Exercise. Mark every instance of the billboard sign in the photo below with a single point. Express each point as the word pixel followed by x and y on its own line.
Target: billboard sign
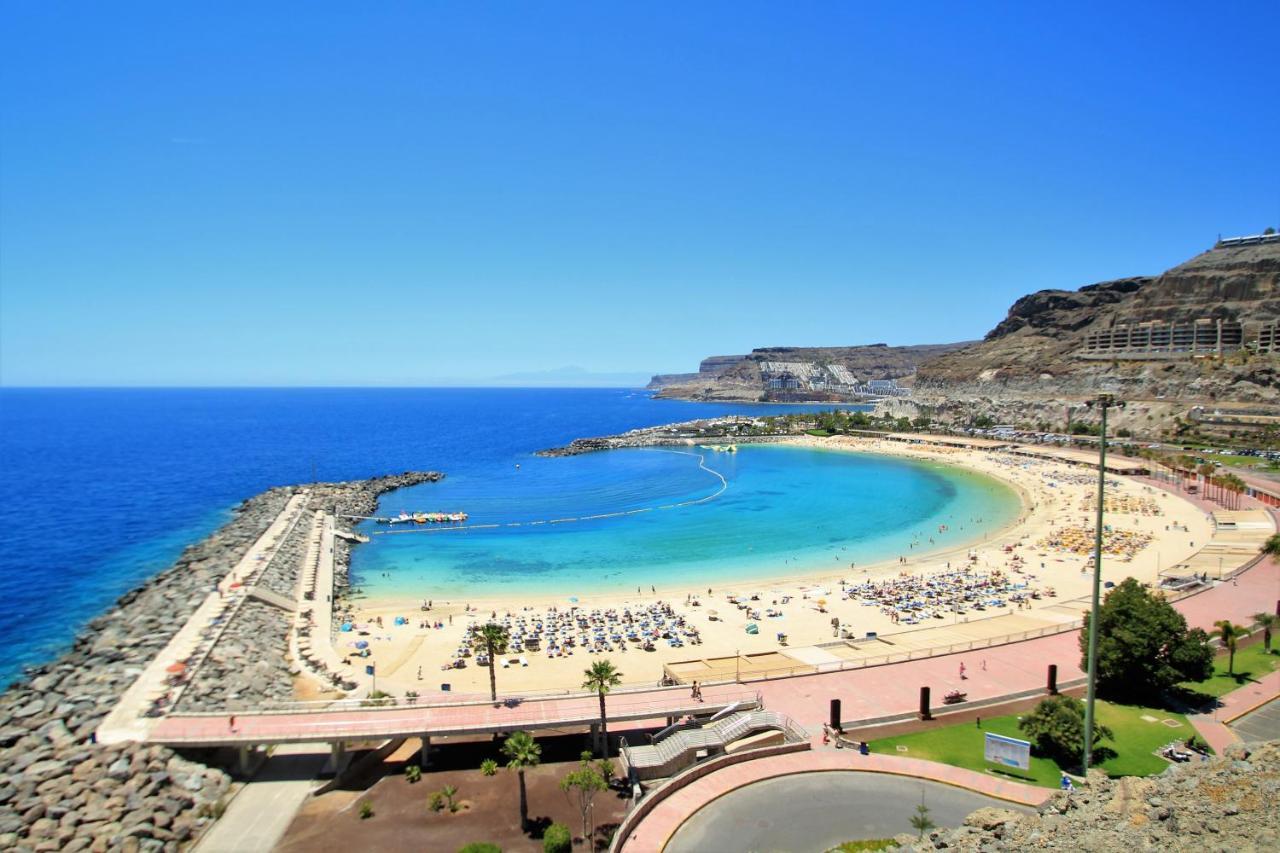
pixel 1008 751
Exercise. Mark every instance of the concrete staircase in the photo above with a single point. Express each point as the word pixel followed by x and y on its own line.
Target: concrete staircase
pixel 680 748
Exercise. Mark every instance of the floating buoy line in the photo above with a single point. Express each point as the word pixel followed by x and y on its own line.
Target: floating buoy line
pixel 702 463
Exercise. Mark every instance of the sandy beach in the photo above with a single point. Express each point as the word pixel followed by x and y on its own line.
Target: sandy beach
pixel 1044 554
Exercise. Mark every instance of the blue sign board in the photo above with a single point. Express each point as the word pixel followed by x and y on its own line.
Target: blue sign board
pixel 1008 751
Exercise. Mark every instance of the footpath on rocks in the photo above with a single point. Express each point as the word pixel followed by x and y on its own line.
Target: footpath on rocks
pixel 60 790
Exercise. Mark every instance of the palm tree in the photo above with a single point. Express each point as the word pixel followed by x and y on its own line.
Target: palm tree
pixel 1238 486
pixel 522 751
pixel 1206 475
pixel 600 677
pixel 492 639
pixel 1269 622
pixel 1230 634
pixel 1272 545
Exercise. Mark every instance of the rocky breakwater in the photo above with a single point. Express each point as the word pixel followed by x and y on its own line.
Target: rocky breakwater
pixel 59 790
pixel 709 431
pixel 249 666
pixel 360 497
pixel 1230 803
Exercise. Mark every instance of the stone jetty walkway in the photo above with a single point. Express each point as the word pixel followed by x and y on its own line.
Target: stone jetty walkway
pixel 126 720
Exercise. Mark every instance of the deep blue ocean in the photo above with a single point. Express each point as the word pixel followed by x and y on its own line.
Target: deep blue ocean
pixel 101 488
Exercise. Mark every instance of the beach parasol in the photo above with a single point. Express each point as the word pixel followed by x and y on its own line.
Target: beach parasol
pixel 175 667
pixel 362 644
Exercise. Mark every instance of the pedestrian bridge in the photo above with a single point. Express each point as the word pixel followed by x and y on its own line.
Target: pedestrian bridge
pixel 344 722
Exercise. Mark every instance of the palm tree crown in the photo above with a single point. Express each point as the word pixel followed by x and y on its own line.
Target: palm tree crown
pixel 601 676
pixel 492 639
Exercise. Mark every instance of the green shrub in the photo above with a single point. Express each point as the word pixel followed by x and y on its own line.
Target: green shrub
pixel 480 847
pixel 488 767
pixel 436 801
pixel 1056 731
pixel 412 773
pixel 557 839
pixel 366 809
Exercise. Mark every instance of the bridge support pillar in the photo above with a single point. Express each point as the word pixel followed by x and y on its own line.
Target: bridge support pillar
pixel 424 756
pixel 337 754
pixel 243 756
pixel 595 738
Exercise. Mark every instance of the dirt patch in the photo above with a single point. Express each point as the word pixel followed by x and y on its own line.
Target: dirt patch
pixel 402 820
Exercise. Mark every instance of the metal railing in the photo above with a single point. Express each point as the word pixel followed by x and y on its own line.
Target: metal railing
pixel 624 701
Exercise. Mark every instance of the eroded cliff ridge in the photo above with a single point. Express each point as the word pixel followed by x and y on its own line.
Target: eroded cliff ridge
pixel 1202 331
pixel 799 373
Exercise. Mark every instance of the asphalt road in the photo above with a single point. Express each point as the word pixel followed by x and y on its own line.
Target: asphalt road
pixel 1262 724
pixel 813 812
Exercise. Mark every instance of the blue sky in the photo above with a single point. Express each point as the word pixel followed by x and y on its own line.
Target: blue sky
pixel 412 193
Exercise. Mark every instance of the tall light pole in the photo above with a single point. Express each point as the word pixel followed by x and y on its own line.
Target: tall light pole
pixel 1103 402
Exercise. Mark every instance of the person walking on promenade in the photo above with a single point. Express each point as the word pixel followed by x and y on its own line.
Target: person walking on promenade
pixel 231 723
pixel 962 675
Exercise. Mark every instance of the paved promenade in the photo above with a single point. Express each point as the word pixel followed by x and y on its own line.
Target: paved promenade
pixel 997 671
pixel 1213 727
pixel 653 833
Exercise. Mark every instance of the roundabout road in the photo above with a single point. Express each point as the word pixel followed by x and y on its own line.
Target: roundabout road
pixel 813 812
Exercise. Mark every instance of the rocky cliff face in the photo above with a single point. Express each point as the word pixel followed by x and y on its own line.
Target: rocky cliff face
pixel 739 377
pixel 1034 354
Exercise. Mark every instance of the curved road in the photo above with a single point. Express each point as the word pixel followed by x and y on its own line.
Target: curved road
pixel 817 811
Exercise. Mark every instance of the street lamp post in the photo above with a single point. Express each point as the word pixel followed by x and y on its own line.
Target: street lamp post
pixel 1103 402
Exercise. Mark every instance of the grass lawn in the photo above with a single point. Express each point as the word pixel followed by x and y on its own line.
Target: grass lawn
pixel 1252 662
pixel 1241 461
pixel 1135 741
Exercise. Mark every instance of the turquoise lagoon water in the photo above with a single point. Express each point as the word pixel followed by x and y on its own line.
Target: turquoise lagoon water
pixel 779 510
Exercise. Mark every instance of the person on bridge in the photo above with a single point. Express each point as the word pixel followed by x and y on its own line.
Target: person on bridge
pixel 231 722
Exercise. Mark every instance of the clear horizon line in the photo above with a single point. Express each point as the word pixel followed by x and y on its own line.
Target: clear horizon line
pixel 161 387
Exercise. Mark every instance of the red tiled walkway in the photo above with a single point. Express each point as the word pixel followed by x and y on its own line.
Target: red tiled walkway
pixel 1237 703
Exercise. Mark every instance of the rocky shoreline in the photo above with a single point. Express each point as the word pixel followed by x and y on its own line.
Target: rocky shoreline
pixel 59 789
pixel 683 434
